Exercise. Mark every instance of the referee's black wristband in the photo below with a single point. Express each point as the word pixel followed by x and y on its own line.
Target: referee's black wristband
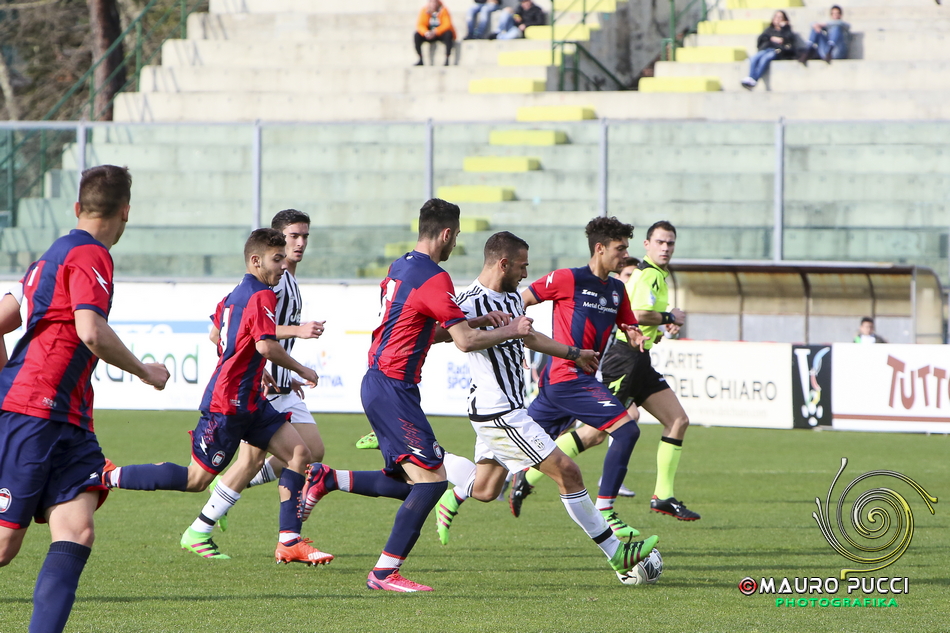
pixel 668 318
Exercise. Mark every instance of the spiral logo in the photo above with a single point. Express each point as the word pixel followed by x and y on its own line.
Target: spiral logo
pixel 877 515
pixel 747 586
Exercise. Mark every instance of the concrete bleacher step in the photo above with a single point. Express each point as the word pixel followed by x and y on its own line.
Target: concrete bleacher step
pixel 732 27
pixel 527 137
pixel 400 79
pixel 763 4
pixel 503 164
pixel 569 32
pixel 475 193
pixel 877 46
pixel 302 54
pixel 456 7
pixel 852 75
pixel 710 54
pixel 544 106
pixel 679 84
pixel 602 6
pixel 538 57
pixel 506 85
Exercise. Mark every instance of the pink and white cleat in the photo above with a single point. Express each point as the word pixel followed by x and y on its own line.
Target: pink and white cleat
pixel 394 582
pixel 314 489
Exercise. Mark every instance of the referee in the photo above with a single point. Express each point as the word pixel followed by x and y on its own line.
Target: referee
pixel 630 375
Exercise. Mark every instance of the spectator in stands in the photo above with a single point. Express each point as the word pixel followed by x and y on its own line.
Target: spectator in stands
pixel 479 18
pixel 866 333
pixel 434 25
pixel 828 40
pixel 775 42
pixel 513 23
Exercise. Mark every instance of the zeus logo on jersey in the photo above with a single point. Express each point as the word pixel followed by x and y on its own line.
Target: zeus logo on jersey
pixel 100 279
pixel 605 403
pixel 270 315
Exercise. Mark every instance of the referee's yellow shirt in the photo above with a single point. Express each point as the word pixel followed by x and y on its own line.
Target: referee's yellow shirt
pixel 647 290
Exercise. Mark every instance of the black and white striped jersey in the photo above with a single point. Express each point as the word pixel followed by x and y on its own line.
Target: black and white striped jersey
pixel 289 306
pixel 498 380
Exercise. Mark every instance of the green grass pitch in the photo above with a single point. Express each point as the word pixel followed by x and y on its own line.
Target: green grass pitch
pixel 754 488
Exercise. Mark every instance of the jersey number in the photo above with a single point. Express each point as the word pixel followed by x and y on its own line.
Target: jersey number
pixel 223 333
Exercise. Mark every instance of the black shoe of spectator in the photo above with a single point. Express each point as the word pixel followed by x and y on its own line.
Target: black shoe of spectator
pixel 418 63
pixel 831 49
pixel 493 36
pixel 446 61
pixel 805 56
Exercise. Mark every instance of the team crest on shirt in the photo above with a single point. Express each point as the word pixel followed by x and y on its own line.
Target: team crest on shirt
pixel 5 498
pixel 437 450
pixel 616 298
pixel 218 458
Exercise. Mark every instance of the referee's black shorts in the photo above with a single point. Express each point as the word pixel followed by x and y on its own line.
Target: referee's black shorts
pixel 629 374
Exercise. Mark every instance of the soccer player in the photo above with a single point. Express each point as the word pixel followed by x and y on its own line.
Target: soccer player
pixel 588 302
pixel 234 409
pixel 417 295
pixel 250 468
pixel 628 372
pixel 507 437
pixel 50 460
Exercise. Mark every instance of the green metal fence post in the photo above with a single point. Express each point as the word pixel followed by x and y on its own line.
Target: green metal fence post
pixel 11 175
pixel 184 19
pixel 138 53
pixel 43 149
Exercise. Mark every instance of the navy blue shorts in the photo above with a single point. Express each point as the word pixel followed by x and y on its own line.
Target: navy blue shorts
pixel 394 409
pixel 585 399
pixel 42 464
pixel 216 439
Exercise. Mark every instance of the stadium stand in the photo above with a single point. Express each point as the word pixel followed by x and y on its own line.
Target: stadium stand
pixel 344 138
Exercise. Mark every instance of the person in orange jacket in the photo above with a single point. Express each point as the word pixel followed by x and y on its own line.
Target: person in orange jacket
pixel 434 25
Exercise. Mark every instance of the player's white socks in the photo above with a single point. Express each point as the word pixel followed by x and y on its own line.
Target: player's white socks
pixel 461 472
pixel 222 499
pixel 605 504
pixel 582 510
pixel 265 475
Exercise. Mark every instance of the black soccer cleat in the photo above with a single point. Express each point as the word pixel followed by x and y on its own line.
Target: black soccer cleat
pixel 520 488
pixel 673 508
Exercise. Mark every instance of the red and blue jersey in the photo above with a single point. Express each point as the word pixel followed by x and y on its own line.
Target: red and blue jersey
pixel 49 374
pixel 244 317
pixel 586 308
pixel 416 296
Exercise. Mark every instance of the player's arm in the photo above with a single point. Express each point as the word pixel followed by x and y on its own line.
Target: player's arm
pixel 651 317
pixel 528 297
pixel 9 321
pixel 94 331
pixel 311 329
pixel 215 335
pixel 495 318
pixel 469 339
pixel 271 350
pixel 587 360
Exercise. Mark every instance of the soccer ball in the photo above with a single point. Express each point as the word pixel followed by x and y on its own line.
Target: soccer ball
pixel 645 572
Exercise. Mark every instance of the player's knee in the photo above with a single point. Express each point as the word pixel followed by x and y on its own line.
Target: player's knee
pixel 317 451
pixel 571 475
pixel 627 431
pixel 8 552
pixel 301 457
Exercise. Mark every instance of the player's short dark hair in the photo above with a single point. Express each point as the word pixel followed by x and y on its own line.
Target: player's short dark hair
pixel 606 230
pixel 835 6
pixel 503 245
pixel 662 224
pixel 631 261
pixel 104 191
pixel 287 217
pixel 259 241
pixel 435 216
pixel 867 320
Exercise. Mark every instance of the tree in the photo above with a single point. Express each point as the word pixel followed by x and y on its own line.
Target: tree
pixel 109 76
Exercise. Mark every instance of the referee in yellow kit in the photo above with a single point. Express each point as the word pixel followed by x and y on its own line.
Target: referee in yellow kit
pixel 630 375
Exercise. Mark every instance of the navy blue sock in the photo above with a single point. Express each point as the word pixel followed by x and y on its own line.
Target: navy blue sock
pixel 617 458
pixel 164 476
pixel 410 517
pixel 56 586
pixel 289 519
pixel 375 483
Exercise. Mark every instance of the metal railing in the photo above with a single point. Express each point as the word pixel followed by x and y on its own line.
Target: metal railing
pixel 579 51
pixel 669 44
pixel 26 157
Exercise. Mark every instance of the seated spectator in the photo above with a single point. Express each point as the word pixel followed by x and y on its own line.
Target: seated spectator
pixel 434 25
pixel 775 42
pixel 866 333
pixel 828 40
pixel 479 18
pixel 513 23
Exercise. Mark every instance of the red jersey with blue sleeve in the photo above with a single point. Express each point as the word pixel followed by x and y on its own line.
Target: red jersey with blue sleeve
pixel 416 296
pixel 244 317
pixel 586 308
pixel 49 374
